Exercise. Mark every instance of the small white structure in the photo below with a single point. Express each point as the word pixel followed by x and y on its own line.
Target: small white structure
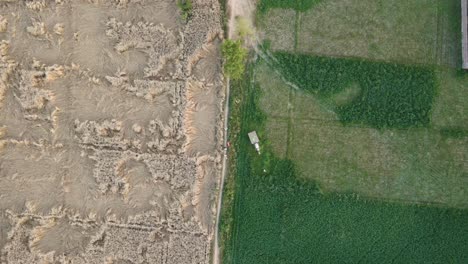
pixel 254 140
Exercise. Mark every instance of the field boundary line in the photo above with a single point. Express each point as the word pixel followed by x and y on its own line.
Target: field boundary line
pixel 297 25
pixel 289 119
pixel 437 48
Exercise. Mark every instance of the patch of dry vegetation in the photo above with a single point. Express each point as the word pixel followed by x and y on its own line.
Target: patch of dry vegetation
pixel 104 156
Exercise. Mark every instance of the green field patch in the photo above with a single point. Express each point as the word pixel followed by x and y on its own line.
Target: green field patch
pixel 278 132
pixel 390 95
pixel 383 30
pixel 415 166
pixel 362 162
pixel 450 109
pixel 281 100
pixel 276 101
pixel 298 5
pixel 279 25
pixel 454 132
pixel 281 219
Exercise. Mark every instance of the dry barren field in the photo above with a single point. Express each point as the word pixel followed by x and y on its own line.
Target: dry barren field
pixel 110 131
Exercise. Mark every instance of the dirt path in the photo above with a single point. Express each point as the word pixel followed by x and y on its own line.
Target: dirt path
pixel 240 8
pixel 236 8
pixel 216 255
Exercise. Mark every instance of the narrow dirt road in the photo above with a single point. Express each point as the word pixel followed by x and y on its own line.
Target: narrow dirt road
pixel 216 255
pixel 240 8
pixel 236 8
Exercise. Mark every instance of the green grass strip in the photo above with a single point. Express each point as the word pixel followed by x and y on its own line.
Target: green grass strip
pixel 298 5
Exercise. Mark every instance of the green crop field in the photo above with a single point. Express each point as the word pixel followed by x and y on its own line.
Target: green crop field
pixel 299 5
pixel 281 219
pixel 385 95
pixel 363 121
pixel 371 29
pixel 419 164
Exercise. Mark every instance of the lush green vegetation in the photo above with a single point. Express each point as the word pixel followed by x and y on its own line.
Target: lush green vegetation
pixel 185 7
pixel 422 164
pixel 234 58
pixel 418 165
pixel 227 213
pixel 386 95
pixel 381 195
pixel 279 219
pixel 299 5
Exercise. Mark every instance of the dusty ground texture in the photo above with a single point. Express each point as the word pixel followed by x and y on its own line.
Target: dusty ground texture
pixel 110 131
pixel 241 9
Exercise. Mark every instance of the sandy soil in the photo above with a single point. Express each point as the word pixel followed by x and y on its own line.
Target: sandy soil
pixel 110 131
pixel 240 9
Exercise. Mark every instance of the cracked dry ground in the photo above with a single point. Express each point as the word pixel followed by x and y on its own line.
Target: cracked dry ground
pixel 110 131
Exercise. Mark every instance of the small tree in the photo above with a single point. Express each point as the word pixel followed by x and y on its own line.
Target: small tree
pixel 185 7
pixel 234 58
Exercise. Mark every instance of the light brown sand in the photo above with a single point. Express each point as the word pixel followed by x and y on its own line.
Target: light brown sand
pixel 241 10
pixel 110 131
